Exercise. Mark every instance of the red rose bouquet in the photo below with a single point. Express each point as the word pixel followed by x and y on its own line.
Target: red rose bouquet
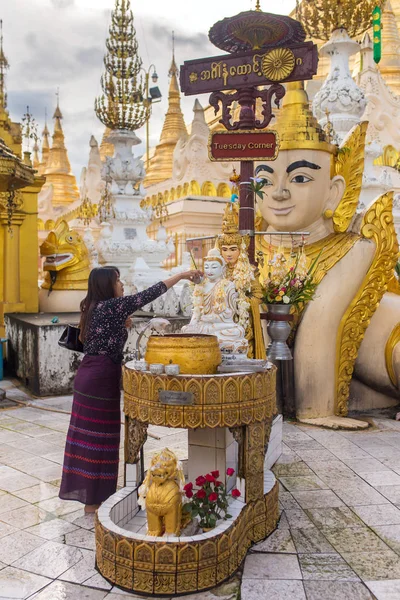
pixel 210 502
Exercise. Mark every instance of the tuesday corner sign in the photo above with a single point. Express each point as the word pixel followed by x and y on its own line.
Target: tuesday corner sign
pixel 227 146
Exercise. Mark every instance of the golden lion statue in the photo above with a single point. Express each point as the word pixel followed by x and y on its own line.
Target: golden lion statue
pixel 161 494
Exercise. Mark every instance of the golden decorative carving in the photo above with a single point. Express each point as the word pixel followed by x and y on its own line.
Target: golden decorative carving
pixel 218 401
pixel 349 164
pixel 320 17
pixel 393 340
pixel 278 64
pixel 198 354
pixel 135 437
pixel 377 226
pixel 176 568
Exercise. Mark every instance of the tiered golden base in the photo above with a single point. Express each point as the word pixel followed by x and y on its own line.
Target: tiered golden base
pixel 168 567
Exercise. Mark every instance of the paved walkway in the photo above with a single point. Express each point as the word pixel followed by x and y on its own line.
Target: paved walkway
pixel 338 536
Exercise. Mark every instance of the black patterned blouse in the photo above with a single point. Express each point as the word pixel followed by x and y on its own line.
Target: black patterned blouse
pixel 107 333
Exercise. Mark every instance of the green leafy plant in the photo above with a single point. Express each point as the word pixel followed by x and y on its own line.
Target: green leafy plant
pixel 256 185
pixel 210 502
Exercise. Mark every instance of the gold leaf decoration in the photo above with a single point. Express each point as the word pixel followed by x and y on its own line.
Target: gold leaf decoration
pixel 349 163
pixel 320 17
pixel 278 64
pixel 393 340
pixel 377 226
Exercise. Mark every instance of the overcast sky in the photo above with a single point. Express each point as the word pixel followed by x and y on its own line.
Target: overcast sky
pixel 61 43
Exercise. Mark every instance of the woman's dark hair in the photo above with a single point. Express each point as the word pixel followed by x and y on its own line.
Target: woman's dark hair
pixel 101 286
pixel 114 268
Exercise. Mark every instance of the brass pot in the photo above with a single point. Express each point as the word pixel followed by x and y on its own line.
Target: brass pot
pixel 196 354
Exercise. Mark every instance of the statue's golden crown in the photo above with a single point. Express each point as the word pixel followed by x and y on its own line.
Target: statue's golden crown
pixel 296 126
pixel 230 222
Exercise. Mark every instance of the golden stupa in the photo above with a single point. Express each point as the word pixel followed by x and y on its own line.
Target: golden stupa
pixel 57 169
pixel 106 147
pixel 389 64
pixel 173 129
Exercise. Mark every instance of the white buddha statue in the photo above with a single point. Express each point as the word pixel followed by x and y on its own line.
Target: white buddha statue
pixel 215 307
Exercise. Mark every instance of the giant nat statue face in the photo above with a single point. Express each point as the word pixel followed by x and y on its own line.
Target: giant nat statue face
pixel 299 189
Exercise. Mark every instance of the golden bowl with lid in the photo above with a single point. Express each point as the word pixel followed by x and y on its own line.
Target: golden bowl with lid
pixel 196 354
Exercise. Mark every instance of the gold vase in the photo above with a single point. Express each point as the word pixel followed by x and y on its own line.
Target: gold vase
pixel 196 354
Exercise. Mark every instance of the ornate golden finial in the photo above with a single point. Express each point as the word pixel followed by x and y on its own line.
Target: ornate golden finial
pixel 123 104
pixel 321 17
pixel 296 125
pixel 173 70
pixel 235 180
pixel 258 7
pixel 4 65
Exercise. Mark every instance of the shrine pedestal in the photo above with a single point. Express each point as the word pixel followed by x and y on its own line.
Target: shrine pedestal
pixel 230 418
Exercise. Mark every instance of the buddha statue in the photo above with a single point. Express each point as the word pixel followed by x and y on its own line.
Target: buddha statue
pixel 347 341
pixel 233 248
pixel 216 308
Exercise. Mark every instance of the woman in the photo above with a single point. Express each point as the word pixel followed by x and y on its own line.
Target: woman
pixel 90 469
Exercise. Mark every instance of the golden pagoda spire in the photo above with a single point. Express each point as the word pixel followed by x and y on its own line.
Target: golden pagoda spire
pixel 389 64
pixel 58 169
pixel 173 129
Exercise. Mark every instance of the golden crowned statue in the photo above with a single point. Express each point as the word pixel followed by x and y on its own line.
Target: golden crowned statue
pixel 347 343
pixel 233 248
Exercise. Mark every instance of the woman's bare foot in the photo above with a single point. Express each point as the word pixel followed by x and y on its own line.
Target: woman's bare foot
pixel 91 508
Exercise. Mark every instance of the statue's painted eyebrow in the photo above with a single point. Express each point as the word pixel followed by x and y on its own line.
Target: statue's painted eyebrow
pixel 301 163
pixel 264 168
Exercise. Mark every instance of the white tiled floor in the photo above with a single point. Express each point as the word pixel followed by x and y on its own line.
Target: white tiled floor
pixel 338 536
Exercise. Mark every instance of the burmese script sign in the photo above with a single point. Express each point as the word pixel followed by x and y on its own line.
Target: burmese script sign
pixel 176 398
pixel 234 71
pixel 243 145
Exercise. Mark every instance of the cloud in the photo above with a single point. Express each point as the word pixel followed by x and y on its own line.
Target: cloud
pixel 62 3
pixel 50 47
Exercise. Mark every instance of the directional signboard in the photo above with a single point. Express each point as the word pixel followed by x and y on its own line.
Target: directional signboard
pixel 243 145
pixel 235 71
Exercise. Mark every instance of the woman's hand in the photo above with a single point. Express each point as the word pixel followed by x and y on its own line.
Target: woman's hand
pixel 129 323
pixel 195 276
